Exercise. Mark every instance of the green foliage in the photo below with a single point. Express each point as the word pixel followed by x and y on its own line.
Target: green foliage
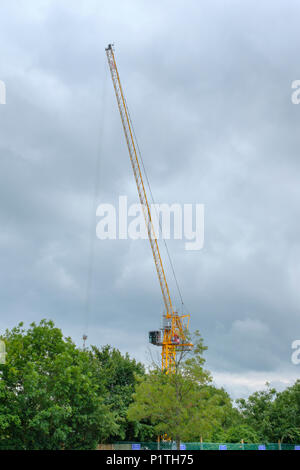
pixel 119 375
pixel 274 415
pixel 49 395
pixel 240 432
pixel 56 396
pixel 183 404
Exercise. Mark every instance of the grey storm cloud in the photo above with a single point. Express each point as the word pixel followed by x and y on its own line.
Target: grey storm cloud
pixel 208 86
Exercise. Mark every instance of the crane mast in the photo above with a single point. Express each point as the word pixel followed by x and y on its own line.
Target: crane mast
pixel 172 336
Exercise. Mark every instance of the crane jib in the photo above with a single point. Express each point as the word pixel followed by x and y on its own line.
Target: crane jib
pixel 173 330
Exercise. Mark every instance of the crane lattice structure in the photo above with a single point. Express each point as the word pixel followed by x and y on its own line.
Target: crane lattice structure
pixel 172 336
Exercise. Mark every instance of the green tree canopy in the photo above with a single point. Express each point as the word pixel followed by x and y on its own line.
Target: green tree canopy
pixel 119 375
pixel 184 405
pixel 274 415
pixel 50 397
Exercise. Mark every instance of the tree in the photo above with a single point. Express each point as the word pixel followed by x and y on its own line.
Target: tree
pixel 285 414
pixel 274 415
pixel 229 419
pixel 239 432
pixel 119 376
pixel 256 411
pixel 183 404
pixel 50 397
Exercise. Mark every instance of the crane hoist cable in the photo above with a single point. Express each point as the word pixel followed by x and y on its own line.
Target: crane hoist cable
pixel 173 335
pixel 93 205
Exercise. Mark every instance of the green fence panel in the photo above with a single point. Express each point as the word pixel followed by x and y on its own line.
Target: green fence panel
pixel 168 445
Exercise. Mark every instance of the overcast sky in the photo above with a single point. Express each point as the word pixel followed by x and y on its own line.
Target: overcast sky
pixel 208 84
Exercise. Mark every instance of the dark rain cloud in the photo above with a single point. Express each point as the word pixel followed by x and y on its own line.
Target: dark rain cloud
pixel 209 89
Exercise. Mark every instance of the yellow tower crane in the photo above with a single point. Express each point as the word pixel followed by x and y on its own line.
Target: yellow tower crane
pixel 172 336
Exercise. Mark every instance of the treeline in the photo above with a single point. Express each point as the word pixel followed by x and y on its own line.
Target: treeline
pixel 54 395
